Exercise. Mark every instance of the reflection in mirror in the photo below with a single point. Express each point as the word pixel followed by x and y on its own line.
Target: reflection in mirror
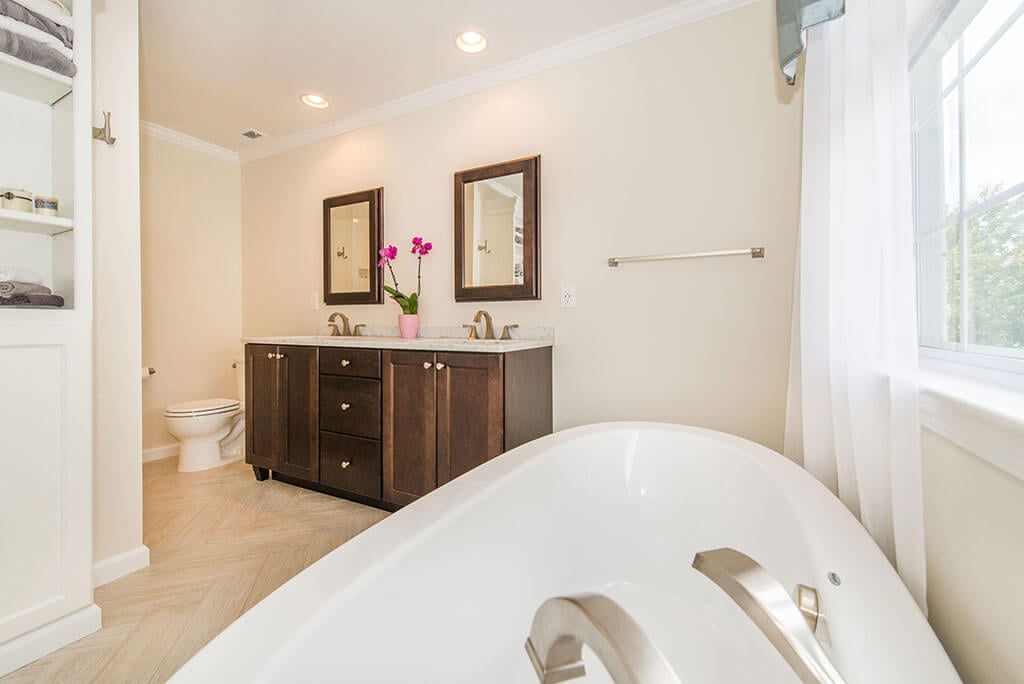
pixel 494 231
pixel 350 248
pixel 497 232
pixel 352 235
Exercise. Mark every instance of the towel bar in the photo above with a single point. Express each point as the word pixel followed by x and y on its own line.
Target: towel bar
pixel 752 252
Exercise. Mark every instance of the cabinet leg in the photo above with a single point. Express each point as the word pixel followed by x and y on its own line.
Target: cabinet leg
pixel 260 473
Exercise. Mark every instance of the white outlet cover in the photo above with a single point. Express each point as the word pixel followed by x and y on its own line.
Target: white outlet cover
pixel 314 301
pixel 568 300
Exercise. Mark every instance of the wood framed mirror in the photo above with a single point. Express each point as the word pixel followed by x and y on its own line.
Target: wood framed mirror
pixel 353 234
pixel 497 232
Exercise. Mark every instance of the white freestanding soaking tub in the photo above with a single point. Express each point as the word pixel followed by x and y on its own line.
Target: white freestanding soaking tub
pixel 445 590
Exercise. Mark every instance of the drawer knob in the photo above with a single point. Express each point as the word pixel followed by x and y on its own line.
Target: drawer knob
pixel 345 464
pixel 346 407
pixel 440 366
pixel 345 363
pixel 427 365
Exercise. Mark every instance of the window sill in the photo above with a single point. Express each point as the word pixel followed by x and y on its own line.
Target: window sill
pixel 984 419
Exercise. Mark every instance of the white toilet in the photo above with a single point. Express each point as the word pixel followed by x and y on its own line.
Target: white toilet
pixel 211 431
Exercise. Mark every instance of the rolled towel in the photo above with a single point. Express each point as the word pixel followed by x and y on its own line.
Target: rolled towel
pixel 34 52
pixel 20 275
pixel 9 288
pixel 51 9
pixel 19 12
pixel 50 300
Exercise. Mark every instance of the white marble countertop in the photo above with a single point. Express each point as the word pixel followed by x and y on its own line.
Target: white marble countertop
pixel 451 344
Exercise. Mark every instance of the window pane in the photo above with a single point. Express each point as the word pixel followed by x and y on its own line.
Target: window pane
pixel 950 65
pixel 990 19
pixel 996 276
pixel 994 111
pixel 938 276
pixel 937 168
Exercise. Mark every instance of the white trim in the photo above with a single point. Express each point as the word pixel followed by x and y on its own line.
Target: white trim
pixel 160 453
pixel 116 567
pixel 195 144
pixel 680 14
pixel 48 638
pixel 985 420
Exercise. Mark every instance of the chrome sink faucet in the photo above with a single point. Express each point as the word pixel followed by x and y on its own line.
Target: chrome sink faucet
pixel 489 324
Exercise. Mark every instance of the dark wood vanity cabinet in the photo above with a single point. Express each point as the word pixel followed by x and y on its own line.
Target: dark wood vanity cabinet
pixel 446 413
pixel 386 427
pixel 281 410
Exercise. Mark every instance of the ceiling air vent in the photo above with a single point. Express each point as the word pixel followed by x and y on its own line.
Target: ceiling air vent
pixel 252 134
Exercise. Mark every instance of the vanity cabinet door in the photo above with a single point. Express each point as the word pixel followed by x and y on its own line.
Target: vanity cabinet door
pixel 470 412
pixel 262 431
pixel 298 454
pixel 409 425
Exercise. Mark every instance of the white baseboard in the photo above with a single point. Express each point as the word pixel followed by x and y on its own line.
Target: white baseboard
pixel 160 453
pixel 116 567
pixel 23 650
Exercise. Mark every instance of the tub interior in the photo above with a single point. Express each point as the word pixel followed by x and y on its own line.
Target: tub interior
pixel 619 513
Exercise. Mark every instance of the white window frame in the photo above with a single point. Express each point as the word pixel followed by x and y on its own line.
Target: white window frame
pixel 998 366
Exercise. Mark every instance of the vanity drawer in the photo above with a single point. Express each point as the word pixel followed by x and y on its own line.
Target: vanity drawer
pixel 361 363
pixel 350 405
pixel 350 463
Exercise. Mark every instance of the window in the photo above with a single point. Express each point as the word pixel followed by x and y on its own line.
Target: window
pixel 968 105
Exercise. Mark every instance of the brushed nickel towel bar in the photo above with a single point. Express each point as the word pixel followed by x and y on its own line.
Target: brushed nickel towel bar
pixel 752 252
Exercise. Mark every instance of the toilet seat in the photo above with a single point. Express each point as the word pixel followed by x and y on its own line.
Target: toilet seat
pixel 203 407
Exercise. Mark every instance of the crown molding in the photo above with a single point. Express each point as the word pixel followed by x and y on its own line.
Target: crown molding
pixel 195 144
pixel 669 18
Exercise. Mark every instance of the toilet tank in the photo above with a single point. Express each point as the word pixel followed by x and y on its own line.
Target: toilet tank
pixel 239 365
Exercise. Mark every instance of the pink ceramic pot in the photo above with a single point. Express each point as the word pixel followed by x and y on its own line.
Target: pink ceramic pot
pixel 409 325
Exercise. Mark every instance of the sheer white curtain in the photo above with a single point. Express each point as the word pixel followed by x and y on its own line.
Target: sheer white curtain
pixel 853 413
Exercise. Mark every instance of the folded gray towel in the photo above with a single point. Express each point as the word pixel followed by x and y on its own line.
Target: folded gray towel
pixel 50 300
pixel 34 52
pixel 18 12
pixel 9 288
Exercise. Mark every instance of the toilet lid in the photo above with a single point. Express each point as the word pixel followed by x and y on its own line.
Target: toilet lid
pixel 203 407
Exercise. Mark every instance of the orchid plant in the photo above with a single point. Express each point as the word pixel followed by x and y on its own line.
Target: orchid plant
pixel 410 303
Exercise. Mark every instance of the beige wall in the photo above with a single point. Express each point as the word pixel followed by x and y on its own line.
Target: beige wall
pixel 117 484
pixel 684 141
pixel 191 279
pixel 973 518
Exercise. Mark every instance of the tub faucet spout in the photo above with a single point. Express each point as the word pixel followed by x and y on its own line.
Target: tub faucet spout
pixel 563 625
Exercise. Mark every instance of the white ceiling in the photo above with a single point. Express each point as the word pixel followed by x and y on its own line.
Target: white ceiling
pixel 213 69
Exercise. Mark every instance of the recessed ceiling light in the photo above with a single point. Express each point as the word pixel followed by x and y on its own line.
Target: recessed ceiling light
pixel 315 101
pixel 471 42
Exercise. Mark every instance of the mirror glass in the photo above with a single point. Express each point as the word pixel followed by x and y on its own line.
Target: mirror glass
pixel 350 248
pixel 494 231
pixel 497 232
pixel 353 231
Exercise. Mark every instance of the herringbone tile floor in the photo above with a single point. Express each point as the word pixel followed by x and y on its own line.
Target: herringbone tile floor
pixel 219 542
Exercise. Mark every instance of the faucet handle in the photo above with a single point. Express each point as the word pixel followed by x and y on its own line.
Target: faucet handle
pixel 472 331
pixel 355 329
pixel 505 331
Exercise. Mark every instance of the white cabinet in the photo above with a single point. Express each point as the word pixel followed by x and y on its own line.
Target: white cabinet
pixel 46 362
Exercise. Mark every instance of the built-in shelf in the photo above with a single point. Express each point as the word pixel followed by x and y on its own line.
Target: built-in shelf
pixel 25 222
pixel 32 82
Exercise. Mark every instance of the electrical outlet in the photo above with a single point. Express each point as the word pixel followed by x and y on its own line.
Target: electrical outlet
pixel 314 301
pixel 568 296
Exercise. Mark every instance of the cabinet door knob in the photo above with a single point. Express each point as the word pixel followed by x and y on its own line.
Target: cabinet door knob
pixel 427 365
pixel 270 355
pixel 345 363
pixel 345 464
pixel 440 366
pixel 280 356
pixel 346 407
